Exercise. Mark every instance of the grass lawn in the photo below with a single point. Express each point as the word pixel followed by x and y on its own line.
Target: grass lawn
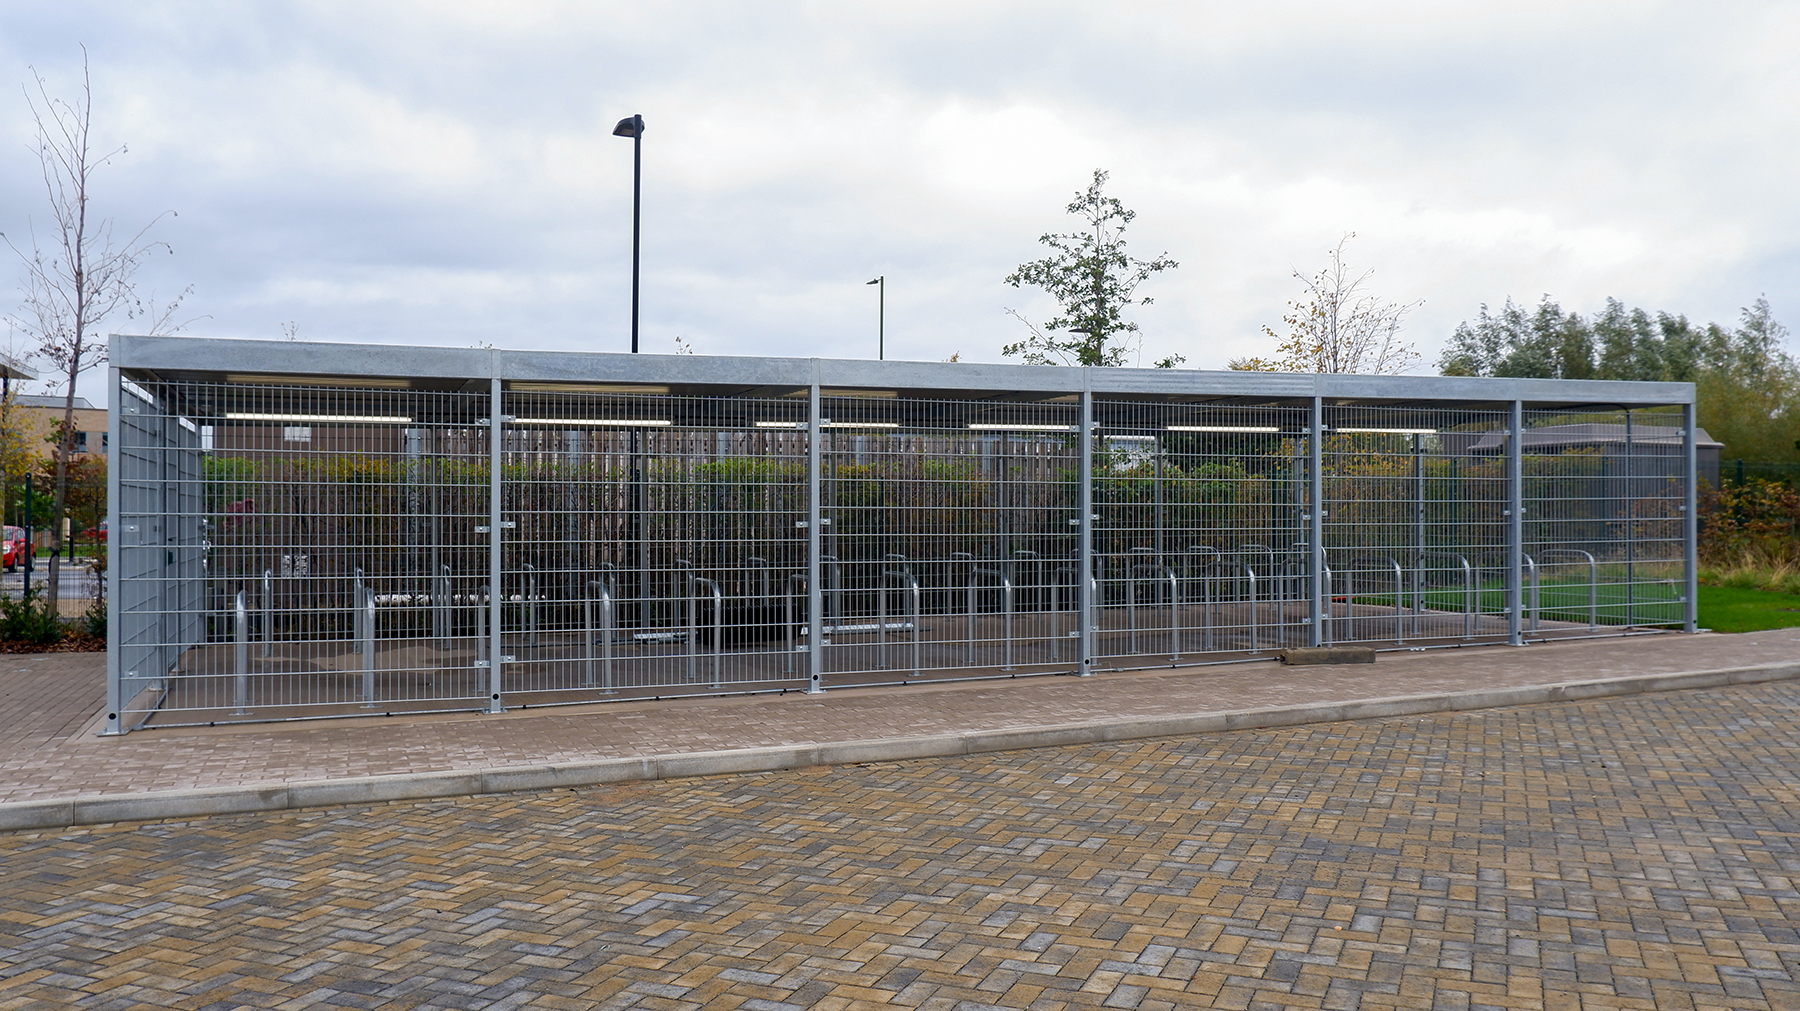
pixel 1724 609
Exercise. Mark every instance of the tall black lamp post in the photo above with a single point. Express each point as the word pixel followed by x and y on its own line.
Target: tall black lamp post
pixel 880 317
pixel 634 128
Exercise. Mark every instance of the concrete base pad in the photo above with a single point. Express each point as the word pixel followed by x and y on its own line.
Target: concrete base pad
pixel 99 809
pixel 1306 656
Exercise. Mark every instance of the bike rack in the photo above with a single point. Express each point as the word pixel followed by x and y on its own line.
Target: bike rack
pixel 1325 611
pixel 606 633
pixel 1471 594
pixel 788 607
pixel 241 657
pixel 1593 579
pixel 1532 599
pixel 1159 573
pixel 759 565
pixel 268 612
pixel 1208 608
pixel 910 586
pixel 442 600
pixel 1005 583
pixel 693 627
pixel 531 605
pixel 356 600
pixel 1399 594
pixel 368 648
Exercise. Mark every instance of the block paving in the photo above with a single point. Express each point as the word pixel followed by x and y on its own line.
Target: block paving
pixel 50 709
pixel 1626 853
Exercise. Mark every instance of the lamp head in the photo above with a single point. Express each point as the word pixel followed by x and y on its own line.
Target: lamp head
pixel 630 126
pixel 876 281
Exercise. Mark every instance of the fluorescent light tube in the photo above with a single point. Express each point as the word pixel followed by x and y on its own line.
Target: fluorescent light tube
pixel 343 419
pixel 596 422
pixel 1388 431
pixel 1259 429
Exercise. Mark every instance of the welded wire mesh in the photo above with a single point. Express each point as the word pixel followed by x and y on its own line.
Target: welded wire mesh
pixel 302 546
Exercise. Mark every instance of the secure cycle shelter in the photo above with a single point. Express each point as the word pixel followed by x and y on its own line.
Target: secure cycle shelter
pixel 314 530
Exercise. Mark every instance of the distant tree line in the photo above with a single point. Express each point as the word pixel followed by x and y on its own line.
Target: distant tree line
pixel 1747 383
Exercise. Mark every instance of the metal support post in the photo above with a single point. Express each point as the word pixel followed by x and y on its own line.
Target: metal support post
pixel 119 548
pixel 1515 524
pixel 1690 523
pixel 496 599
pixel 815 548
pixel 1318 594
pixel 1630 507
pixel 1085 604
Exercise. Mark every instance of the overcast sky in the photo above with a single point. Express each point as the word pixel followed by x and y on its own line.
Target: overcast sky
pixel 441 173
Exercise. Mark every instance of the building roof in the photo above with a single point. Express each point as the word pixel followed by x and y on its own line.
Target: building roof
pixel 42 400
pixel 1593 434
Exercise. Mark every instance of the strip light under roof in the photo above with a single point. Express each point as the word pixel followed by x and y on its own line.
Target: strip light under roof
pixel 323 419
pixel 1254 429
pixel 1388 431
pixel 1020 427
pixel 597 422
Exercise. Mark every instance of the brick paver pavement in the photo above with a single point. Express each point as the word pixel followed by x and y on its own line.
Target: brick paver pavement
pixel 49 708
pixel 1627 853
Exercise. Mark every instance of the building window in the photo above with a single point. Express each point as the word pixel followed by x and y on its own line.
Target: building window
pixel 80 442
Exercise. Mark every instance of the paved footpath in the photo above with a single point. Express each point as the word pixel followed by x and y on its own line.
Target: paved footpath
pixel 50 708
pixel 1635 852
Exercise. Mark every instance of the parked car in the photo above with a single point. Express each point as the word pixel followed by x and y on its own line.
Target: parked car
pixel 95 534
pixel 15 547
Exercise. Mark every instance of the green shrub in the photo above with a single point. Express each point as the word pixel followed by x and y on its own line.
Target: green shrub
pixel 29 619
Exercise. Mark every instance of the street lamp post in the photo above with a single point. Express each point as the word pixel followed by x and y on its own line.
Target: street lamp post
pixel 634 128
pixel 880 317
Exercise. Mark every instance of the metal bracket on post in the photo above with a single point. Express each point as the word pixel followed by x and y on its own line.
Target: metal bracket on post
pixel 815 544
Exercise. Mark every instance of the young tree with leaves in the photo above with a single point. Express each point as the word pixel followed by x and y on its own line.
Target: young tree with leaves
pixel 80 275
pixel 1747 384
pixel 1338 326
pixel 1093 280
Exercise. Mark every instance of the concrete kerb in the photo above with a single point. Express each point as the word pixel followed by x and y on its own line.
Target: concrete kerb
pixel 69 812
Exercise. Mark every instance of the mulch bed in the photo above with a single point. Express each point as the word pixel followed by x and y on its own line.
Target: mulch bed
pixel 68 644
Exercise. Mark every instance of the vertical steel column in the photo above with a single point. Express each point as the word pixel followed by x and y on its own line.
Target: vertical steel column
pixel 1418 559
pixel 1630 532
pixel 1085 604
pixel 115 700
pixel 1515 523
pixel 1318 593
pixel 815 568
pixel 496 661
pixel 1690 522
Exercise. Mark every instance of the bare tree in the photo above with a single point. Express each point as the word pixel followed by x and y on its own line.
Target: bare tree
pixel 1337 326
pixel 79 275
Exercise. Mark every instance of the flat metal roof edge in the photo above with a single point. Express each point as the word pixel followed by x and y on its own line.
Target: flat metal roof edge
pixel 221 355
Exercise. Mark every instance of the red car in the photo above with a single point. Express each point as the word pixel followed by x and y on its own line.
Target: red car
pixel 15 547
